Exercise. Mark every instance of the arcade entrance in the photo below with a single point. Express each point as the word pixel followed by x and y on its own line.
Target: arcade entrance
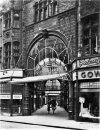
pixel 48 54
pixel 43 92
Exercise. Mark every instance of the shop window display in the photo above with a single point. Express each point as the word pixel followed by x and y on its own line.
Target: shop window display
pixel 90 104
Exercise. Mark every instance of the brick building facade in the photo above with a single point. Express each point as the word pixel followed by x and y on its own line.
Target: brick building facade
pixel 61 33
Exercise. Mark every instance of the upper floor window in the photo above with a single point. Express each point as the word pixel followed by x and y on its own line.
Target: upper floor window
pixel 44 9
pixel 16 19
pixel 7 20
pixel 0 54
pixel 16 47
pixel 7 55
pixel 91 35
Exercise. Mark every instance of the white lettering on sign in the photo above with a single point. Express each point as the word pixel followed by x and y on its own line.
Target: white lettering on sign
pixel 11 73
pixel 5 96
pixel 89 74
pixel 88 62
pixel 17 96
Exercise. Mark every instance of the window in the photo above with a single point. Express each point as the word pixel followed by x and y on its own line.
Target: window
pixel 0 54
pixel 44 9
pixel 7 20
pixel 7 55
pixel 90 34
pixel 54 7
pixel 16 52
pixel 36 11
pixel 16 19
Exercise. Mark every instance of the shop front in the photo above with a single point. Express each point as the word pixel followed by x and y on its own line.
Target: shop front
pixel 10 95
pixel 90 92
pixel 87 72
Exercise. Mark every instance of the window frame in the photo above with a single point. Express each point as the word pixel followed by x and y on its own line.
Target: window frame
pixel 88 34
pixel 44 9
pixel 7 20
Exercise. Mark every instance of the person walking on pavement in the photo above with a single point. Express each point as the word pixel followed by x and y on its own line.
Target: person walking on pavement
pixel 53 105
pixel 48 107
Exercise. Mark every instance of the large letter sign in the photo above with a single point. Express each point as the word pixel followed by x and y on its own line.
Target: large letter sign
pixel 92 74
pixel 83 75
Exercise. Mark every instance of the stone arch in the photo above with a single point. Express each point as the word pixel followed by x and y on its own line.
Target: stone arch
pixel 45 34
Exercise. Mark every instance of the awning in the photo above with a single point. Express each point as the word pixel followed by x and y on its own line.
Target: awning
pixel 5 80
pixel 38 78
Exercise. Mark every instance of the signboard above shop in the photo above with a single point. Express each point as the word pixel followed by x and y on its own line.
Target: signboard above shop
pixel 82 63
pixel 11 73
pixel 89 74
pixel 9 96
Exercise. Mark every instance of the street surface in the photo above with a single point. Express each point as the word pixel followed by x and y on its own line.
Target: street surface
pixel 41 119
pixel 13 125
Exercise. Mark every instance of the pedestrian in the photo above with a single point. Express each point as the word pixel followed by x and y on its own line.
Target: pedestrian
pixel 48 107
pixel 53 105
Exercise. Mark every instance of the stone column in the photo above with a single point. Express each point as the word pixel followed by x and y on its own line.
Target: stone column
pixel 76 98
pixel 11 60
pixel 99 33
pixel 11 101
pixel 79 29
pixel 26 100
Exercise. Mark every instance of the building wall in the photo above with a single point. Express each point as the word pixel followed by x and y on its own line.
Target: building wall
pixel 0 42
pixel 87 86
pixel 88 8
pixel 64 22
pixel 67 21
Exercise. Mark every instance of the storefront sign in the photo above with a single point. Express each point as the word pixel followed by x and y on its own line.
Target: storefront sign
pixel 11 73
pixel 92 74
pixel 9 96
pixel 52 92
pixel 88 62
pixel 17 96
pixel 5 96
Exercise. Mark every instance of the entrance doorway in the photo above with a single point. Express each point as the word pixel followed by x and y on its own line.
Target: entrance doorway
pixel 45 91
pixel 49 56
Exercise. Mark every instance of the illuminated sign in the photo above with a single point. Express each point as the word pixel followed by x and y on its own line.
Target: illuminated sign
pixel 92 74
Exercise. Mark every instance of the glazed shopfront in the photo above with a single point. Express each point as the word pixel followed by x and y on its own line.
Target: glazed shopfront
pixel 87 72
pixel 10 95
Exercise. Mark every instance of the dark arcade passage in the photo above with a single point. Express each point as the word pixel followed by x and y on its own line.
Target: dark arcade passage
pixel 59 113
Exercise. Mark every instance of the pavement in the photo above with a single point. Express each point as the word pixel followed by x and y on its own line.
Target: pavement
pixel 58 120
